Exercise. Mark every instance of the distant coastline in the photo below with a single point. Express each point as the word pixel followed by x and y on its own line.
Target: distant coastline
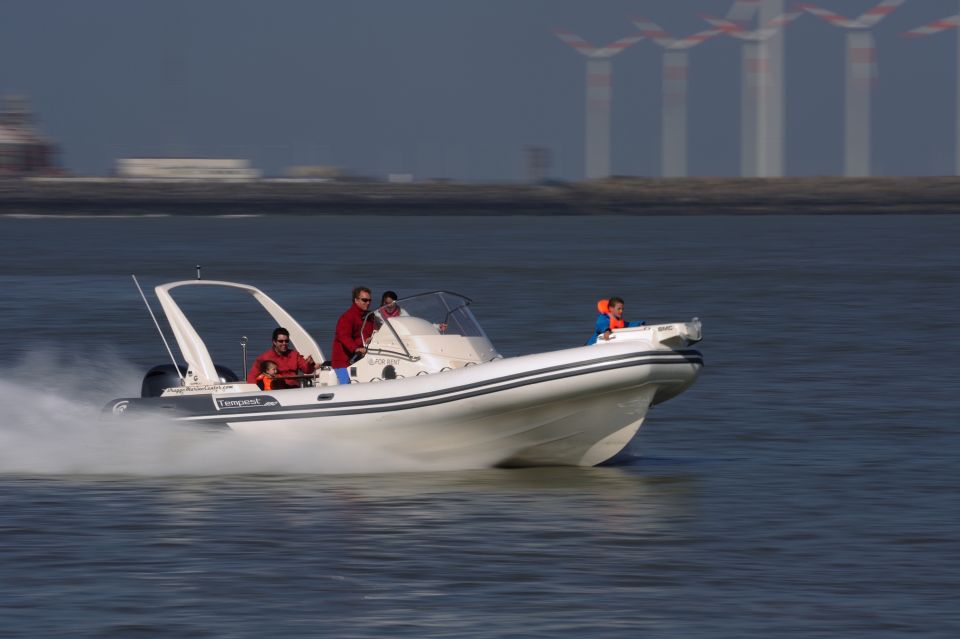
pixel 614 196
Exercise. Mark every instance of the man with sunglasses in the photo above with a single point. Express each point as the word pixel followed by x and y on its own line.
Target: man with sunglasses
pixel 289 362
pixel 348 343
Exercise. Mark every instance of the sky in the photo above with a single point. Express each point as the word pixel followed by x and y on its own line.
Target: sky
pixel 451 89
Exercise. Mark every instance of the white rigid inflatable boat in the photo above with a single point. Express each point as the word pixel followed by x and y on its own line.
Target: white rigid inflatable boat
pixel 432 387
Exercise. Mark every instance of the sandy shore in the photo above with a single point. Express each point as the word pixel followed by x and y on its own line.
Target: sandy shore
pixel 619 196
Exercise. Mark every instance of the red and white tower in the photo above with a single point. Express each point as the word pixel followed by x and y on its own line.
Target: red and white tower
pixel 599 97
pixel 761 133
pixel 771 128
pixel 676 64
pixel 775 136
pixel 939 26
pixel 861 75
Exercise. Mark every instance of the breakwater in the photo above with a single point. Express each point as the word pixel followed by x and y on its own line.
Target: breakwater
pixel 619 196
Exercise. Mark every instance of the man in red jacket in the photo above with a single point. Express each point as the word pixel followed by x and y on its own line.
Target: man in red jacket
pixel 347 340
pixel 289 361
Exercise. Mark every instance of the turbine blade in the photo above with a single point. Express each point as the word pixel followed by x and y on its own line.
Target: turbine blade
pixel 653 31
pixel 776 24
pixel 575 41
pixel 879 12
pixel 724 25
pixel 697 38
pixel 829 16
pixel 616 47
pixel 772 27
pixel 951 22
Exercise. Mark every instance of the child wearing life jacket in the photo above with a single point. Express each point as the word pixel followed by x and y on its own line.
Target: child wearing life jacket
pixel 268 375
pixel 610 317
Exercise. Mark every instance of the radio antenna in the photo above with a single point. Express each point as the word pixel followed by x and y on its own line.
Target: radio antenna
pixel 159 330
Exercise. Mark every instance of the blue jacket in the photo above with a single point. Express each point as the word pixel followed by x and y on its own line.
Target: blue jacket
pixel 603 323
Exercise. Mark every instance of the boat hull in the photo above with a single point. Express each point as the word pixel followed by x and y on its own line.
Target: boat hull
pixel 575 407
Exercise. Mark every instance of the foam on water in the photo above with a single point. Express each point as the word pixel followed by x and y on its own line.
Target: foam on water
pixel 50 423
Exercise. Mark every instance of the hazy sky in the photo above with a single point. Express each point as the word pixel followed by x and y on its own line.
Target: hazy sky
pixel 443 88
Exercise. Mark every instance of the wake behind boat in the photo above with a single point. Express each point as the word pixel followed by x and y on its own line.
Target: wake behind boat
pixel 433 387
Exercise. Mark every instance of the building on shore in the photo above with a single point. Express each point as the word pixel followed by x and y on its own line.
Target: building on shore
pixel 538 160
pixel 186 169
pixel 316 172
pixel 23 151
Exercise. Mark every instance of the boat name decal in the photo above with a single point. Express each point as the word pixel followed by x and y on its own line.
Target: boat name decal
pixel 376 361
pixel 665 327
pixel 246 402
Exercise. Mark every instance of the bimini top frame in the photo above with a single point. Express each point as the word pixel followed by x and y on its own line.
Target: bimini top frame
pixel 200 368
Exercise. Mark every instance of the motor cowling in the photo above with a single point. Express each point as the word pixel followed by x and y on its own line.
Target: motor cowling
pixel 164 376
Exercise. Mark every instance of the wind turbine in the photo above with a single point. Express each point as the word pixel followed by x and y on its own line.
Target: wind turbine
pixel 939 26
pixel 775 45
pixel 771 127
pixel 675 66
pixel 757 126
pixel 599 96
pixel 861 74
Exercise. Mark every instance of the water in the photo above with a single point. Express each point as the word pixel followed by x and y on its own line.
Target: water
pixel 806 486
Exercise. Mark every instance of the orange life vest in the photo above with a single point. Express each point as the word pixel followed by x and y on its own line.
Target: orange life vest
pixel 615 322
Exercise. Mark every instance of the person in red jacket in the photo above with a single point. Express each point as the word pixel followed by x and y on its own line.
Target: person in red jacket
pixel 348 341
pixel 289 361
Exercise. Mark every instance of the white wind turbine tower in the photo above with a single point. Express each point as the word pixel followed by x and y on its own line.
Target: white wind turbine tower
pixel 756 122
pixel 937 27
pixel 675 66
pixel 861 74
pixel 771 128
pixel 769 10
pixel 599 96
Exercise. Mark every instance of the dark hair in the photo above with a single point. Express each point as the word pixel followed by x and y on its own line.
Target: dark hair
pixel 360 289
pixel 614 300
pixel 265 363
pixel 386 294
pixel 278 331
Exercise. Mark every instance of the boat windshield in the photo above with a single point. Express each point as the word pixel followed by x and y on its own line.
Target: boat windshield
pixel 439 312
pixel 449 312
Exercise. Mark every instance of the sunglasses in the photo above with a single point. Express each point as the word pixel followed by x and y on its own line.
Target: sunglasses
pixel 364 299
pixel 281 341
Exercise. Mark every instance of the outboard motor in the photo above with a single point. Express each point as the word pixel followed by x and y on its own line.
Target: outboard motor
pixel 164 376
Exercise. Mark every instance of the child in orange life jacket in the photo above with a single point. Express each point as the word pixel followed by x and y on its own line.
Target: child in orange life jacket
pixel 268 373
pixel 610 317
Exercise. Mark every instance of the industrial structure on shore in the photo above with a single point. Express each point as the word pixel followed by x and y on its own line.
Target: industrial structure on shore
pixel 215 169
pixel 23 151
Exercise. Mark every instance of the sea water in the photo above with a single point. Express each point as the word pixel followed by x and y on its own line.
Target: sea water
pixel 805 486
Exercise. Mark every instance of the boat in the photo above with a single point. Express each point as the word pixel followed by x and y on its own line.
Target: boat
pixel 432 387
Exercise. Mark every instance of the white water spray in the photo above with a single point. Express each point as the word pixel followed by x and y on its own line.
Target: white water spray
pixel 50 423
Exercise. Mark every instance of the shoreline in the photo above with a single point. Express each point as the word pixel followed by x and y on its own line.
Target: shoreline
pixel 614 196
